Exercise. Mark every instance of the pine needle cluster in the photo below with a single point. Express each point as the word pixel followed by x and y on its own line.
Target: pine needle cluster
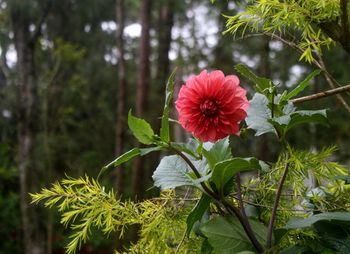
pixel 289 17
pixel 85 204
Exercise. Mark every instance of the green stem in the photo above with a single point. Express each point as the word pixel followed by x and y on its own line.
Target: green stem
pixel 228 206
pixel 275 205
pixel 208 191
pixel 239 195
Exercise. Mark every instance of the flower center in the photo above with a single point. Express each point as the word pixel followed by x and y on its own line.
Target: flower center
pixel 209 108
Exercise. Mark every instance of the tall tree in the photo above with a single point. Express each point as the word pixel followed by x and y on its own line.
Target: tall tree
pixel 165 24
pixel 25 43
pixel 223 57
pixel 121 96
pixel 118 180
pixel 143 79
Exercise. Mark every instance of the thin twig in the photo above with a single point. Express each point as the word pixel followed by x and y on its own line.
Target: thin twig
pixel 275 205
pixel 288 209
pixel 241 205
pixel 330 81
pixel 180 243
pixel 320 64
pixel 239 194
pixel 321 94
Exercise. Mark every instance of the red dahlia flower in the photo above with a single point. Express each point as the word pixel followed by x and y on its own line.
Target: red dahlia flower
pixel 211 106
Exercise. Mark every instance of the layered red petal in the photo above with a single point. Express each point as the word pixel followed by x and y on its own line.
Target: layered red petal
pixel 211 105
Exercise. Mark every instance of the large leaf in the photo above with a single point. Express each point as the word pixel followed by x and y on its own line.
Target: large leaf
pixel 295 223
pixel 259 115
pixel 164 130
pixel 289 120
pixel 173 171
pixel 141 129
pixel 197 212
pixel 218 152
pixel 305 83
pixel 225 170
pixel 261 83
pixel 227 236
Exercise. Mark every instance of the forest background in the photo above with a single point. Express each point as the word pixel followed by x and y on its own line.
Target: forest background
pixel 69 72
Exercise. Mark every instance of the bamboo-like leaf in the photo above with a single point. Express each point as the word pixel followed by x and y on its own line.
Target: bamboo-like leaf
pixel 305 83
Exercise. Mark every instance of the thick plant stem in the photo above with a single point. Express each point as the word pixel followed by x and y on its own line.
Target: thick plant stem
pixel 228 206
pixel 275 205
pixel 245 224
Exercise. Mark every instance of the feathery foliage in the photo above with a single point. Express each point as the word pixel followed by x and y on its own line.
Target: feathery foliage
pixel 85 204
pixel 300 18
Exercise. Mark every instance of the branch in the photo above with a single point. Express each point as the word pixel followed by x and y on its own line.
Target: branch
pixel 321 94
pixel 331 81
pixel 320 64
pixel 228 206
pixel 275 205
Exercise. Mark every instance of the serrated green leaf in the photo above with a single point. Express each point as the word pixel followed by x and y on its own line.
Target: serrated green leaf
pixel 173 172
pixel 225 170
pixel 197 212
pixel 258 115
pixel 141 129
pixel 226 235
pixel 164 129
pixel 305 83
pixel 261 83
pixel 218 152
pixel 308 222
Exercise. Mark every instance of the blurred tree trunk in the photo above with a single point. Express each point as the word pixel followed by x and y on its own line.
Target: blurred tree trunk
pixel 165 24
pixel 143 79
pixel 118 175
pixel 120 120
pixel 27 107
pixel 223 57
pixel 27 118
